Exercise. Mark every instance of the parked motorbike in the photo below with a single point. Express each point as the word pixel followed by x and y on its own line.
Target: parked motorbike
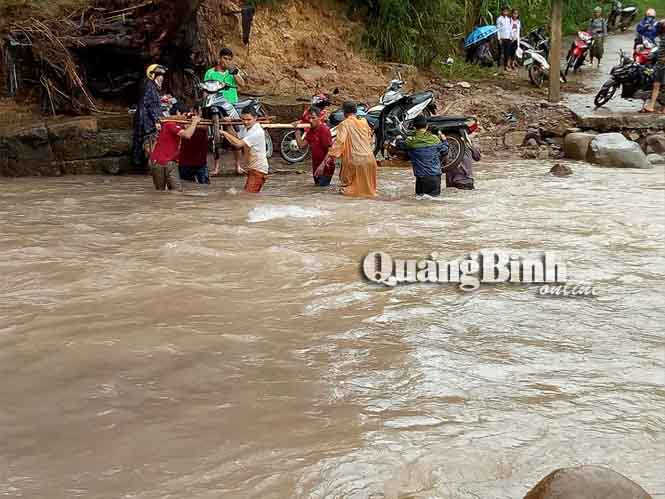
pixel 215 108
pixel 620 16
pixel 635 80
pixel 578 51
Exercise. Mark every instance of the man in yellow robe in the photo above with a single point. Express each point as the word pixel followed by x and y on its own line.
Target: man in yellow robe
pixel 354 145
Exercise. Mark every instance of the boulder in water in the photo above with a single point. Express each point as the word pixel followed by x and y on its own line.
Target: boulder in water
pixel 656 144
pixel 560 170
pixel 614 150
pixel 586 482
pixel 656 159
pixel 576 145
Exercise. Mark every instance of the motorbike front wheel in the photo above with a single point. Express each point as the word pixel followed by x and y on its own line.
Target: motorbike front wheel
pixel 289 149
pixel 269 145
pixel 570 64
pixel 605 93
pixel 456 148
pixel 536 75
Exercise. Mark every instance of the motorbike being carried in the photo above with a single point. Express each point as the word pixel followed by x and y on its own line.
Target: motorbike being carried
pixel 621 16
pixel 578 51
pixel 636 81
pixel 289 149
pixel 390 117
pixel 215 107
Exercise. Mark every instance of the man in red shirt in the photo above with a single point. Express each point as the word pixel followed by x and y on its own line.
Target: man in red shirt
pixel 320 140
pixel 194 158
pixel 165 155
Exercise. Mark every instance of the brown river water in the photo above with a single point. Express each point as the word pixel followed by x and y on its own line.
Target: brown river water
pixel 222 345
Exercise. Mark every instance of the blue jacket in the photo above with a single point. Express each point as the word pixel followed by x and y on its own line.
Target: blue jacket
pixel 425 151
pixel 647 28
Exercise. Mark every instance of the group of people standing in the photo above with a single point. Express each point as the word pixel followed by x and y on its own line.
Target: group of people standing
pixel 509 29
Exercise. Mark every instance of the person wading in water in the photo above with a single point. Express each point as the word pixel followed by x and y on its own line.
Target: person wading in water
pixel 354 145
pixel 148 113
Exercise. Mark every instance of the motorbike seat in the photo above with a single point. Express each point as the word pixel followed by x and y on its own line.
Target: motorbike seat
pixel 628 10
pixel 443 121
pixel 421 97
pixel 242 104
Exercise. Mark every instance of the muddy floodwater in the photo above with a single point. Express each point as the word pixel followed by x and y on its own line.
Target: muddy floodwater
pixel 221 345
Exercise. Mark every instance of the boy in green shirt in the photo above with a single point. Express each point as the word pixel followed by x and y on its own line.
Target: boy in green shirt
pixel 226 72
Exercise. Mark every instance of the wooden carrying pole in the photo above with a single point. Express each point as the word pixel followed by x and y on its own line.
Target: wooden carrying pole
pixel 555 52
pixel 264 124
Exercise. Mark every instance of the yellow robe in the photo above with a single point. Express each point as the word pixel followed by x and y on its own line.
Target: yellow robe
pixel 354 145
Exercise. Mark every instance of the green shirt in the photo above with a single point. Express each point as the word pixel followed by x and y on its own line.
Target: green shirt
pixel 230 94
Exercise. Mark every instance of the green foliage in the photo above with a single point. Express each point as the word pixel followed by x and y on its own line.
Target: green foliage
pixel 423 31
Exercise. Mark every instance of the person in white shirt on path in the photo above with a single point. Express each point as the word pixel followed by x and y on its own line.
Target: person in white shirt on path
pixel 504 32
pixel 515 33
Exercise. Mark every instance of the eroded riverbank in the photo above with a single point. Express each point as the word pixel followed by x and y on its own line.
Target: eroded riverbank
pixel 222 345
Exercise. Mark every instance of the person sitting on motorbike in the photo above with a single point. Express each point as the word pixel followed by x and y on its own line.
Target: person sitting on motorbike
pixel 227 73
pixel 598 29
pixel 148 113
pixel 425 151
pixel 646 29
pixel 659 77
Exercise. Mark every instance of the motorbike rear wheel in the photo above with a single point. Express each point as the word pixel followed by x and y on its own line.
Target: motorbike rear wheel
pixel 288 152
pixel 605 93
pixel 536 75
pixel 456 148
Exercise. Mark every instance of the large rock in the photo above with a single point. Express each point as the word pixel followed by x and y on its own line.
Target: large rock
pixel 514 138
pixel 80 138
pixel 576 145
pixel 96 166
pixel 656 144
pixel 620 121
pixel 614 150
pixel 26 150
pixel 656 159
pixel 586 482
pixel 560 170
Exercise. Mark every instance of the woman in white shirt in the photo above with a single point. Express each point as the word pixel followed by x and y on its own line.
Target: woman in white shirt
pixel 504 32
pixel 515 33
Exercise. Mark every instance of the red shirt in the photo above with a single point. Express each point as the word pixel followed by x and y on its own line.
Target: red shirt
pixel 319 140
pixel 168 144
pixel 194 152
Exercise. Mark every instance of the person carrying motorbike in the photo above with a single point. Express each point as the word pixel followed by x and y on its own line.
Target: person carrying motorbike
pixel 598 29
pixel 319 139
pixel 659 79
pixel 148 113
pixel 353 145
pixel 226 72
pixel 646 29
pixel 425 150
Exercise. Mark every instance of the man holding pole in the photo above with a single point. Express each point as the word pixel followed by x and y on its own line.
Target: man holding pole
pixel 166 154
pixel 252 141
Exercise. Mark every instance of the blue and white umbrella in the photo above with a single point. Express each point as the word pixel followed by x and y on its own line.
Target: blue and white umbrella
pixel 479 34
